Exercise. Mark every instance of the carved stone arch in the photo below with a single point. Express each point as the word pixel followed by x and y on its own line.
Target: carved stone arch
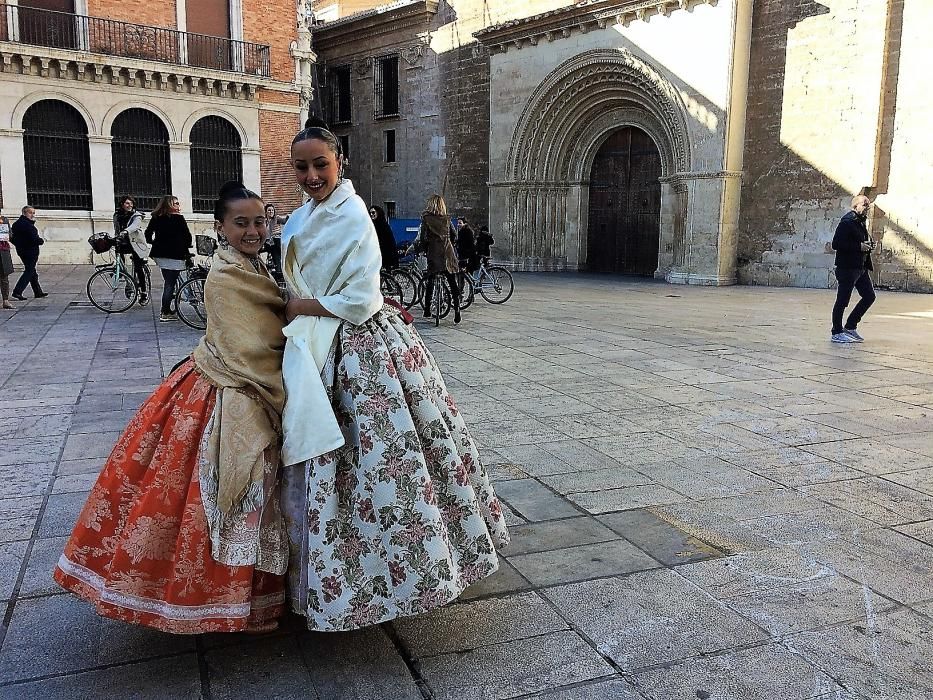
pixel 604 76
pixel 566 119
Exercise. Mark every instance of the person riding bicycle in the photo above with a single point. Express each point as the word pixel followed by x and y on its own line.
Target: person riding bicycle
pixel 128 223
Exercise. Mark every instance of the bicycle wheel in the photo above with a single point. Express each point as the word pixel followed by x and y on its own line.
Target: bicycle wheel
pixel 439 305
pixel 390 288
pixel 467 290
pixel 409 286
pixel 496 285
pixel 111 290
pixel 189 303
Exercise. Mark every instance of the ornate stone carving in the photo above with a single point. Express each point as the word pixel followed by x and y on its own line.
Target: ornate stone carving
pixel 561 127
pixel 413 55
pixel 363 67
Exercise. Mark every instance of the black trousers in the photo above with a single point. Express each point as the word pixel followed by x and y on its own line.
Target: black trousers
pixel 850 279
pixel 29 276
pixel 139 272
pixel 169 280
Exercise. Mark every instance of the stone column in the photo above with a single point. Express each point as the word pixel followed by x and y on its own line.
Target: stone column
pixel 13 169
pixel 180 156
pixel 252 177
pixel 102 191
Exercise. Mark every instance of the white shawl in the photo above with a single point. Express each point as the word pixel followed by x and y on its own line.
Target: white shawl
pixel 330 252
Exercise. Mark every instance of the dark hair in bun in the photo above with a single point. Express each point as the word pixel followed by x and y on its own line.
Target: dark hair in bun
pixel 316 128
pixel 231 192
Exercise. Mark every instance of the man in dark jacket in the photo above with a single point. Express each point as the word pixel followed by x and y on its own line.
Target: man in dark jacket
pixel 853 261
pixel 26 239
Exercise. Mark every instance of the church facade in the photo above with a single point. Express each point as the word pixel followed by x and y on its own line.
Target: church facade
pixel 698 141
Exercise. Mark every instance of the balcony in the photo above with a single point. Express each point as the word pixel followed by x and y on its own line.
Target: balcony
pixel 62 30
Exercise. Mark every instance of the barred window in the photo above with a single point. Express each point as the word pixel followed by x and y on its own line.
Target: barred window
pixel 215 159
pixel 58 157
pixel 141 159
pixel 339 107
pixel 386 86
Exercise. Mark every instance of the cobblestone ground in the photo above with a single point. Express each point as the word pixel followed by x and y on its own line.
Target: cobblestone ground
pixel 707 499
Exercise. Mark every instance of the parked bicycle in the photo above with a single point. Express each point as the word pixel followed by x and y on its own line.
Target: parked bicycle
pixel 113 287
pixel 493 282
pixel 439 302
pixel 189 298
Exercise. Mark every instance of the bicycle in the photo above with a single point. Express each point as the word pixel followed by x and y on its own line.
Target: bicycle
pixel 113 287
pixel 189 297
pixel 390 287
pixel 493 282
pixel 407 285
pixel 440 303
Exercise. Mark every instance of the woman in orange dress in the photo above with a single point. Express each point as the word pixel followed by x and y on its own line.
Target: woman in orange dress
pixel 183 531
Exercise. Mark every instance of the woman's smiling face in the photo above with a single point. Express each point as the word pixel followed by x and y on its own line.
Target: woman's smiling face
pixel 244 225
pixel 317 168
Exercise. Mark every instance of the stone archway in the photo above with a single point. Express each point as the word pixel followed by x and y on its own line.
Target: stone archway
pixel 556 140
pixel 624 223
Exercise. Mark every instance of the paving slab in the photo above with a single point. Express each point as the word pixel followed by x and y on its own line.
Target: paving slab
pixel 651 618
pixel 582 562
pixel 465 626
pixel 661 540
pixel 763 673
pixel 514 668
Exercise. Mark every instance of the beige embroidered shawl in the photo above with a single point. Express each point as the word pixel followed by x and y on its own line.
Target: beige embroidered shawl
pixel 241 354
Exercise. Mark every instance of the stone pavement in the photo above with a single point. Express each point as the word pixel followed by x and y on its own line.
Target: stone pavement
pixel 707 499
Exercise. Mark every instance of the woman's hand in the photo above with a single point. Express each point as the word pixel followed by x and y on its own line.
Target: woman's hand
pixel 293 309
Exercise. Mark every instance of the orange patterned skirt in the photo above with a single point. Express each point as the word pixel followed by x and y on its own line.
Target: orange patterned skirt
pixel 141 550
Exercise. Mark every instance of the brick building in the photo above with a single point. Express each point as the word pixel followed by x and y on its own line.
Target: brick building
pixel 701 141
pixel 100 98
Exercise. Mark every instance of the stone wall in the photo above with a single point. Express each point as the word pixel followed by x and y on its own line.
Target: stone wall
pixel 835 108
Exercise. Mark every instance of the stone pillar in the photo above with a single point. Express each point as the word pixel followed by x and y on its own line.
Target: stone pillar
pixel 102 191
pixel 180 155
pixel 13 170
pixel 710 230
pixel 252 176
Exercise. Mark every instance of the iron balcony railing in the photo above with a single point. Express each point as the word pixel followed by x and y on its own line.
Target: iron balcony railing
pixel 63 30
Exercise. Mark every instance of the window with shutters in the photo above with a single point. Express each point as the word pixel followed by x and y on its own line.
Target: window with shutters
pixel 141 159
pixel 57 156
pixel 216 158
pixel 386 87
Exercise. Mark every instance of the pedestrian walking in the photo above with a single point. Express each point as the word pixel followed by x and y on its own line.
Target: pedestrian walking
pixel 6 262
pixel 183 531
pixel 170 239
pixel 274 224
pixel 127 221
pixel 853 248
pixel 435 239
pixel 26 239
pixel 390 512
pixel 387 244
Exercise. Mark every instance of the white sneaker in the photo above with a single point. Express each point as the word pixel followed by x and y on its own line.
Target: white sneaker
pixel 852 333
pixel 843 338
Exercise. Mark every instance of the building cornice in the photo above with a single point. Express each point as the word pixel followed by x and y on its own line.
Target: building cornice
pixel 104 69
pixel 579 18
pixel 386 19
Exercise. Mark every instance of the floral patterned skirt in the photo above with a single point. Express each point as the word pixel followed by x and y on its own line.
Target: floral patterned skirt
pixel 141 549
pixel 402 518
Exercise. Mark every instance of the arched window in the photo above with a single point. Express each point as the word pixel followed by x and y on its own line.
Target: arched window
pixel 215 159
pixel 58 159
pixel 141 160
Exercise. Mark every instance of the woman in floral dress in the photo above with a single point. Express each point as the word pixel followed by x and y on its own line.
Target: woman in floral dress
pixel 183 531
pixel 389 510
